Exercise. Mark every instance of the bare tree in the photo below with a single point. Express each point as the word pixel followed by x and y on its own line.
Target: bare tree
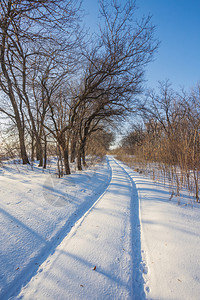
pixel 114 69
pixel 170 138
pixel 23 25
pixel 38 71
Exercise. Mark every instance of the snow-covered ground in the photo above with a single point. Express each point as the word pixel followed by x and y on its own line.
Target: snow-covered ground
pixel 106 233
pixel 170 241
pixel 37 210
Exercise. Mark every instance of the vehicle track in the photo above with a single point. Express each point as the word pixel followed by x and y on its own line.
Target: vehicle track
pixel 138 265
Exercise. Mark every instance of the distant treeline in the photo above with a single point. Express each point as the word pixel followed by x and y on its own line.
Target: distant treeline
pixel 169 135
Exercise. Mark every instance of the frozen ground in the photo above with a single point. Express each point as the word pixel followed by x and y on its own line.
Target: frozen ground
pixel 107 233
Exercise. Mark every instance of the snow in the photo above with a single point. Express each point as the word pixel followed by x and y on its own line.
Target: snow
pixel 101 240
pixel 170 242
pixel 37 210
pixel 105 233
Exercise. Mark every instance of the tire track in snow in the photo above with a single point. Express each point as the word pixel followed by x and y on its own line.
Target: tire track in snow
pixel 138 266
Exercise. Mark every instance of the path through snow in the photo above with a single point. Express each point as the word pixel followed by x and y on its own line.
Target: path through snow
pixel 95 260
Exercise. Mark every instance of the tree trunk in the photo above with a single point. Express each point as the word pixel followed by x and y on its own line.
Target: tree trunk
pixel 195 173
pixel 59 164
pixel 32 147
pixel 10 93
pixel 24 155
pixel 45 152
pixel 64 147
pixel 66 161
pixel 40 156
pixel 79 164
pixel 73 150
pixel 39 151
pixel 83 154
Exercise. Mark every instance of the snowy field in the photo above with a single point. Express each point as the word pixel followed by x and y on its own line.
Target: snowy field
pixel 170 241
pixel 105 233
pixel 37 210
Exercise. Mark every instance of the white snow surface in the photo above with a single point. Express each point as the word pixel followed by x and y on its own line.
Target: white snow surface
pixel 106 233
pixel 170 242
pixel 37 210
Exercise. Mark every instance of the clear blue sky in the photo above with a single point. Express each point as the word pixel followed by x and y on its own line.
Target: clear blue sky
pixel 178 29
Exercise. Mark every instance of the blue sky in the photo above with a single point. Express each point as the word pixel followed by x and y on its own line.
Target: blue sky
pixel 178 28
